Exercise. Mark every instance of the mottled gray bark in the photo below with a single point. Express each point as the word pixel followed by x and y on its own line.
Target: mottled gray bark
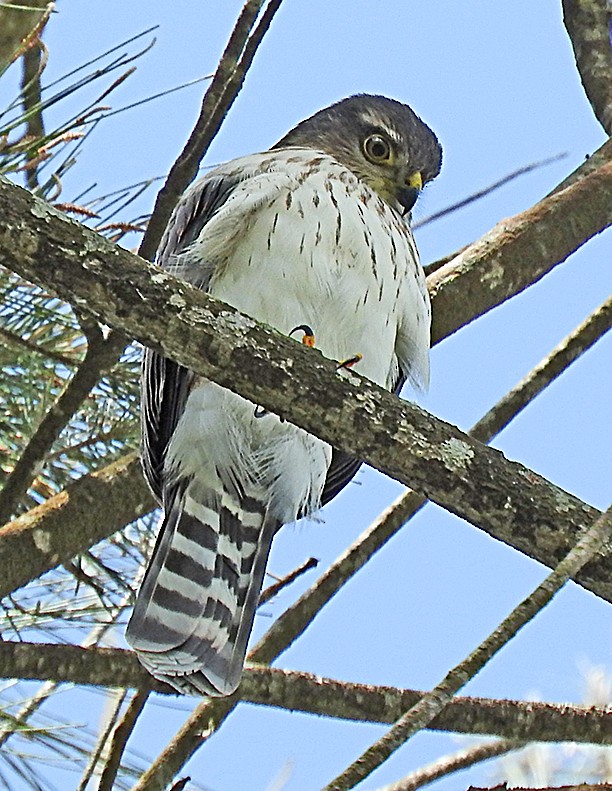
pixel 477 483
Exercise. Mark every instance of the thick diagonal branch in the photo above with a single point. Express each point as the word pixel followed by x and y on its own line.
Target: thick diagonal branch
pixel 453 470
pixel 294 620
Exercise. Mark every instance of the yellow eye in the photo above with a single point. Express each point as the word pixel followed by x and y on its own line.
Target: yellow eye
pixel 377 149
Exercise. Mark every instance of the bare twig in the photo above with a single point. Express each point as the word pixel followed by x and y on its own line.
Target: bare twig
pixel 198 728
pixel 9 339
pixel 591 544
pixel 588 25
pixel 475 196
pixel 27 710
pixel 30 91
pixel 112 717
pixel 575 344
pixel 271 591
pixel 453 763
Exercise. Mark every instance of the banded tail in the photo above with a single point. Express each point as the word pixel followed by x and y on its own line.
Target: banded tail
pixel 195 608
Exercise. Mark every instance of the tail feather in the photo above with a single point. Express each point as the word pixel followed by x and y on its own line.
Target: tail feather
pixel 196 605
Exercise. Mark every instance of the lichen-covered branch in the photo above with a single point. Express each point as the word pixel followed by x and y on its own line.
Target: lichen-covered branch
pixel 588 25
pixel 293 621
pixel 449 764
pixel 475 482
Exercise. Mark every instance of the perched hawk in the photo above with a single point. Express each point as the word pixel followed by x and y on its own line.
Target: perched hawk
pixel 311 237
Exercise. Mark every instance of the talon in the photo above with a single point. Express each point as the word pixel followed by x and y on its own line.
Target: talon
pixel 350 362
pixel 308 338
pixel 262 412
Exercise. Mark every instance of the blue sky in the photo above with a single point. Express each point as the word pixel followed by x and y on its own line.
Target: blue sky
pixel 497 82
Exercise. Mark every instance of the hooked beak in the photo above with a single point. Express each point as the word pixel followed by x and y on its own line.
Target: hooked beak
pixel 408 194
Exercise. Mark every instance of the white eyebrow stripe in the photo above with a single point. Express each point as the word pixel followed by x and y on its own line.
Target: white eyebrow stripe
pixel 371 118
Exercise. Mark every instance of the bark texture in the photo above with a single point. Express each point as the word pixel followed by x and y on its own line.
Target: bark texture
pixel 506 499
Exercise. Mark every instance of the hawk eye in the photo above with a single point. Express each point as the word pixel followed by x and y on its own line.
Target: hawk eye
pixel 377 149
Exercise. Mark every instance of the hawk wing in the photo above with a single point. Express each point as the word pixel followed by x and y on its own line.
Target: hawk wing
pixel 165 384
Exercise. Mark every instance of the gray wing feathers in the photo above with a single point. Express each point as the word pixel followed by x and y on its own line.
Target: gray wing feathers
pixel 165 384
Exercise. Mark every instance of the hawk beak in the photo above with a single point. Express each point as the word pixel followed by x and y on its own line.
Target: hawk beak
pixel 408 194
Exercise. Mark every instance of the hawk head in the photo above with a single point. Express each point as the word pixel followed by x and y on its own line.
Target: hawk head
pixel 383 142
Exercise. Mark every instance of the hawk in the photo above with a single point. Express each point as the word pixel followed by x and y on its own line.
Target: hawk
pixel 313 238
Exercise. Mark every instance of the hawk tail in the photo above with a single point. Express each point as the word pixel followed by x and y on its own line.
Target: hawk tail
pixel 195 609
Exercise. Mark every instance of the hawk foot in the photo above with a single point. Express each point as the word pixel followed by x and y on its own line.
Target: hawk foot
pixel 308 339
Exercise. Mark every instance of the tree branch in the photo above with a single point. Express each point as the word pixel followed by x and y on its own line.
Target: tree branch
pixel 519 251
pixel 11 340
pixel 477 483
pixel 572 787
pixel 293 621
pixel 120 736
pixel 59 513
pixel 298 691
pixel 33 65
pixel 419 716
pixel 453 763
pixel 88 511
pixel 576 343
pixel 588 26
pixel 272 590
